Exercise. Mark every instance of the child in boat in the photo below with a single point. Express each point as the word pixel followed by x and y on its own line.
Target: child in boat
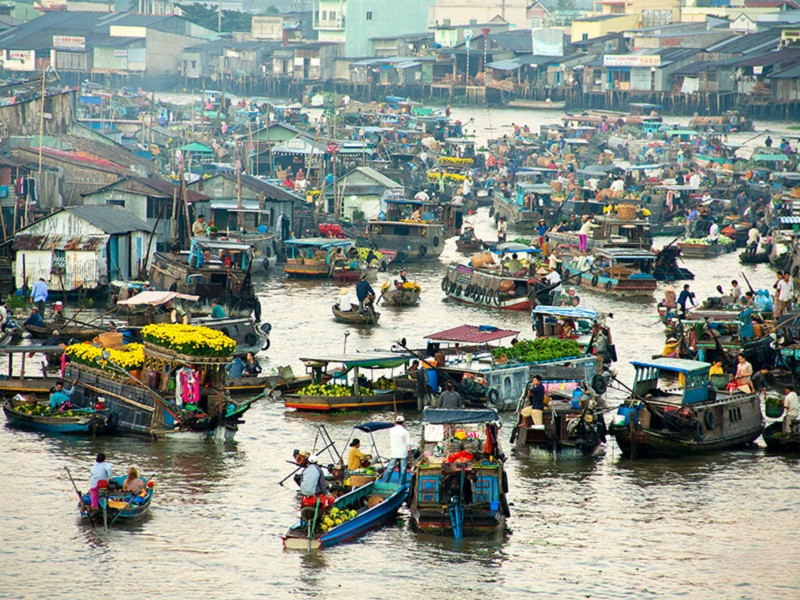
pixel 133 483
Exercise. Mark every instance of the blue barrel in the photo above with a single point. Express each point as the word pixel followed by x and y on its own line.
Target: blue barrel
pixel 433 379
pixel 577 394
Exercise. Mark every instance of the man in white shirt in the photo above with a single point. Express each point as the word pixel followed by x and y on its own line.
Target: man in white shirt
pixel 783 299
pixel 400 441
pixel 695 180
pixel 422 196
pixel 792 405
pixel 467 187
pixel 713 233
pixel 101 471
pixel 618 185
pixel 555 279
pixel 501 229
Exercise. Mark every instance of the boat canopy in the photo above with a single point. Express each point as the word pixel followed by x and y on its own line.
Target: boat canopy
pixel 770 158
pixel 155 298
pixel 572 312
pixel 459 416
pixel 373 426
pixel 625 253
pixel 535 188
pixel 364 360
pixel 472 334
pixel 674 365
pixel 514 247
pixel 320 242
pixel 220 244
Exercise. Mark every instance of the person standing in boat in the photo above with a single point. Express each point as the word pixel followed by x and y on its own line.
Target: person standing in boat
pixel 744 371
pixel 39 294
pixel 785 292
pixel 791 404
pixel 450 398
pixel 501 230
pixel 400 441
pixel 535 408
pixel 364 291
pixel 199 226
pixel 684 297
pixel 99 475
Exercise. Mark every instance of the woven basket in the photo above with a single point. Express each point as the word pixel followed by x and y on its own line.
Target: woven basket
pixel 626 212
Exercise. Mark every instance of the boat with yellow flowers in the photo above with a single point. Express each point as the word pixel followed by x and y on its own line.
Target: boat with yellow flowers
pixel 172 386
pixel 400 294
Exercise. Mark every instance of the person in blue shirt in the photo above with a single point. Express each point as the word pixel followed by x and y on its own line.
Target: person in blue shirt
pixel 217 312
pixel 684 297
pixel 39 294
pixel 235 368
pixel 60 394
pixel 541 229
pixel 35 319
pixel 363 291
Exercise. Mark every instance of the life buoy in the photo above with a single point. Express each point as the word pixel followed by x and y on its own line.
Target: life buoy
pixel 699 431
pixel 469 289
pixel 708 419
pixel 423 251
pixel 401 256
pixel 595 279
pixel 607 286
pixel 266 345
pixel 445 284
pixel 460 290
pixel 476 294
pixel 257 310
pixel 494 396
pixel 490 296
pixel 265 264
pixel 250 339
pixel 497 299
pixel 436 241
pixel 599 384
pixel 453 287
pixel 504 481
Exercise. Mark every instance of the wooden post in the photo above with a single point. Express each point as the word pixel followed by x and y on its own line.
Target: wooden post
pixel 240 213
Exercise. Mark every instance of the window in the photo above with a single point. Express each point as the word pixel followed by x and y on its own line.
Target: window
pixel 59 261
pixel 120 203
pixel 369 15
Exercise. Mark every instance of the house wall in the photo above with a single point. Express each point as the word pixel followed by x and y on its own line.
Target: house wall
pixel 465 12
pixel 164 52
pixel 23 118
pixel 84 269
pixel 330 19
pixel 591 28
pixel 368 19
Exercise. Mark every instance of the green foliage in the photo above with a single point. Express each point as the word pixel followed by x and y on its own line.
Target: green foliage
pixel 206 16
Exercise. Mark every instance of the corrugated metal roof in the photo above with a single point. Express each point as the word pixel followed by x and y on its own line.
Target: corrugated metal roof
pixel 472 334
pixel 32 241
pixel 111 219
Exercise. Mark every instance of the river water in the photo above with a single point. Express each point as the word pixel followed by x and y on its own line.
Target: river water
pixel 714 527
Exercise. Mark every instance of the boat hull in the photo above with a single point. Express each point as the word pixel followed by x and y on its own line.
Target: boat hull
pixel 345 403
pixel 99 423
pixel 352 317
pixel 776 442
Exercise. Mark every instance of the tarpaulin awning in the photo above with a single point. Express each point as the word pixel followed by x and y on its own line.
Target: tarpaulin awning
pixel 472 334
pixel 196 147
pixel 365 360
pixel 676 365
pixel 459 416
pixel 515 247
pixel 572 312
pixel 155 298
pixel 770 157
pixel 373 426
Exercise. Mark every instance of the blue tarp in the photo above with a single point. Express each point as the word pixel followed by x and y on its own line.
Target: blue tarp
pixel 676 365
pixel 572 312
pixel 374 426
pixel 457 416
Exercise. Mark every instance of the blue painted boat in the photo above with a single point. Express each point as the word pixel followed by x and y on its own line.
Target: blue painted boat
pixel 116 504
pixel 87 421
pixel 374 503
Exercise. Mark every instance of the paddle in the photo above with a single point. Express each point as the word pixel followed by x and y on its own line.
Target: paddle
pixel 80 497
pixel 116 516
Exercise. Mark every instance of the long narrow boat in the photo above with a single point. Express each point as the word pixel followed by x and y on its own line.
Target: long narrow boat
pixel 374 503
pixel 616 271
pixel 776 441
pixel 354 317
pixel 117 505
pixel 673 411
pixel 37 416
pixel 343 389
pixel 459 485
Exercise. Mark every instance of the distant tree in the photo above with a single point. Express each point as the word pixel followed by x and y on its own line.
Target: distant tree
pixel 272 10
pixel 565 5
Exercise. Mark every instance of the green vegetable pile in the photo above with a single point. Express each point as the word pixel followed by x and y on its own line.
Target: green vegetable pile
pixel 723 240
pixel 539 349
pixel 522 241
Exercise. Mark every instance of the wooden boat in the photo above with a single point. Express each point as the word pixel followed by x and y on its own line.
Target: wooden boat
pixel 536 104
pixel 696 250
pixel 150 408
pixel 374 504
pixel 613 232
pixel 200 272
pixel 750 258
pixel 776 441
pixel 65 333
pixel 520 211
pixel 355 317
pixel 320 258
pixel 459 485
pixel 472 244
pixel 412 240
pixel 400 297
pixel 666 268
pixel 567 429
pixel 618 271
pixel 117 505
pixel 30 414
pixel 673 411
pixel 398 391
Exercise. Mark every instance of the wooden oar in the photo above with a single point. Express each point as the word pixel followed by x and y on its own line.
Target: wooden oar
pixel 80 498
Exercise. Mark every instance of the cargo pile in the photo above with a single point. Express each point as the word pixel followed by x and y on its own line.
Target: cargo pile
pixel 335 390
pixel 537 350
pixel 131 357
pixel 336 517
pixel 192 340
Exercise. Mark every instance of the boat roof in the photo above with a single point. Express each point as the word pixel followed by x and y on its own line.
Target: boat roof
pixel 472 334
pixel 221 244
pixel 676 365
pixel 457 416
pixel 367 360
pixel 155 298
pixel 321 242
pixel 373 426
pixel 536 188
pixel 573 312
pixel 514 247
pixel 625 253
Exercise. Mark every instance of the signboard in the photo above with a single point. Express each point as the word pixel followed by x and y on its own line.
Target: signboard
pixel 69 42
pixel 631 60
pixel 21 55
pixel 120 54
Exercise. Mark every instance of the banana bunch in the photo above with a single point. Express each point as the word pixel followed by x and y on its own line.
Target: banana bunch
pixel 336 517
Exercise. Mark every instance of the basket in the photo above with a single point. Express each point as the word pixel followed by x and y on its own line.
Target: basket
pixel 718 381
pixel 773 408
pixel 626 212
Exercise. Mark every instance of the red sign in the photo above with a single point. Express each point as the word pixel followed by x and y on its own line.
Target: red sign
pixel 485 31
pixel 332 148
